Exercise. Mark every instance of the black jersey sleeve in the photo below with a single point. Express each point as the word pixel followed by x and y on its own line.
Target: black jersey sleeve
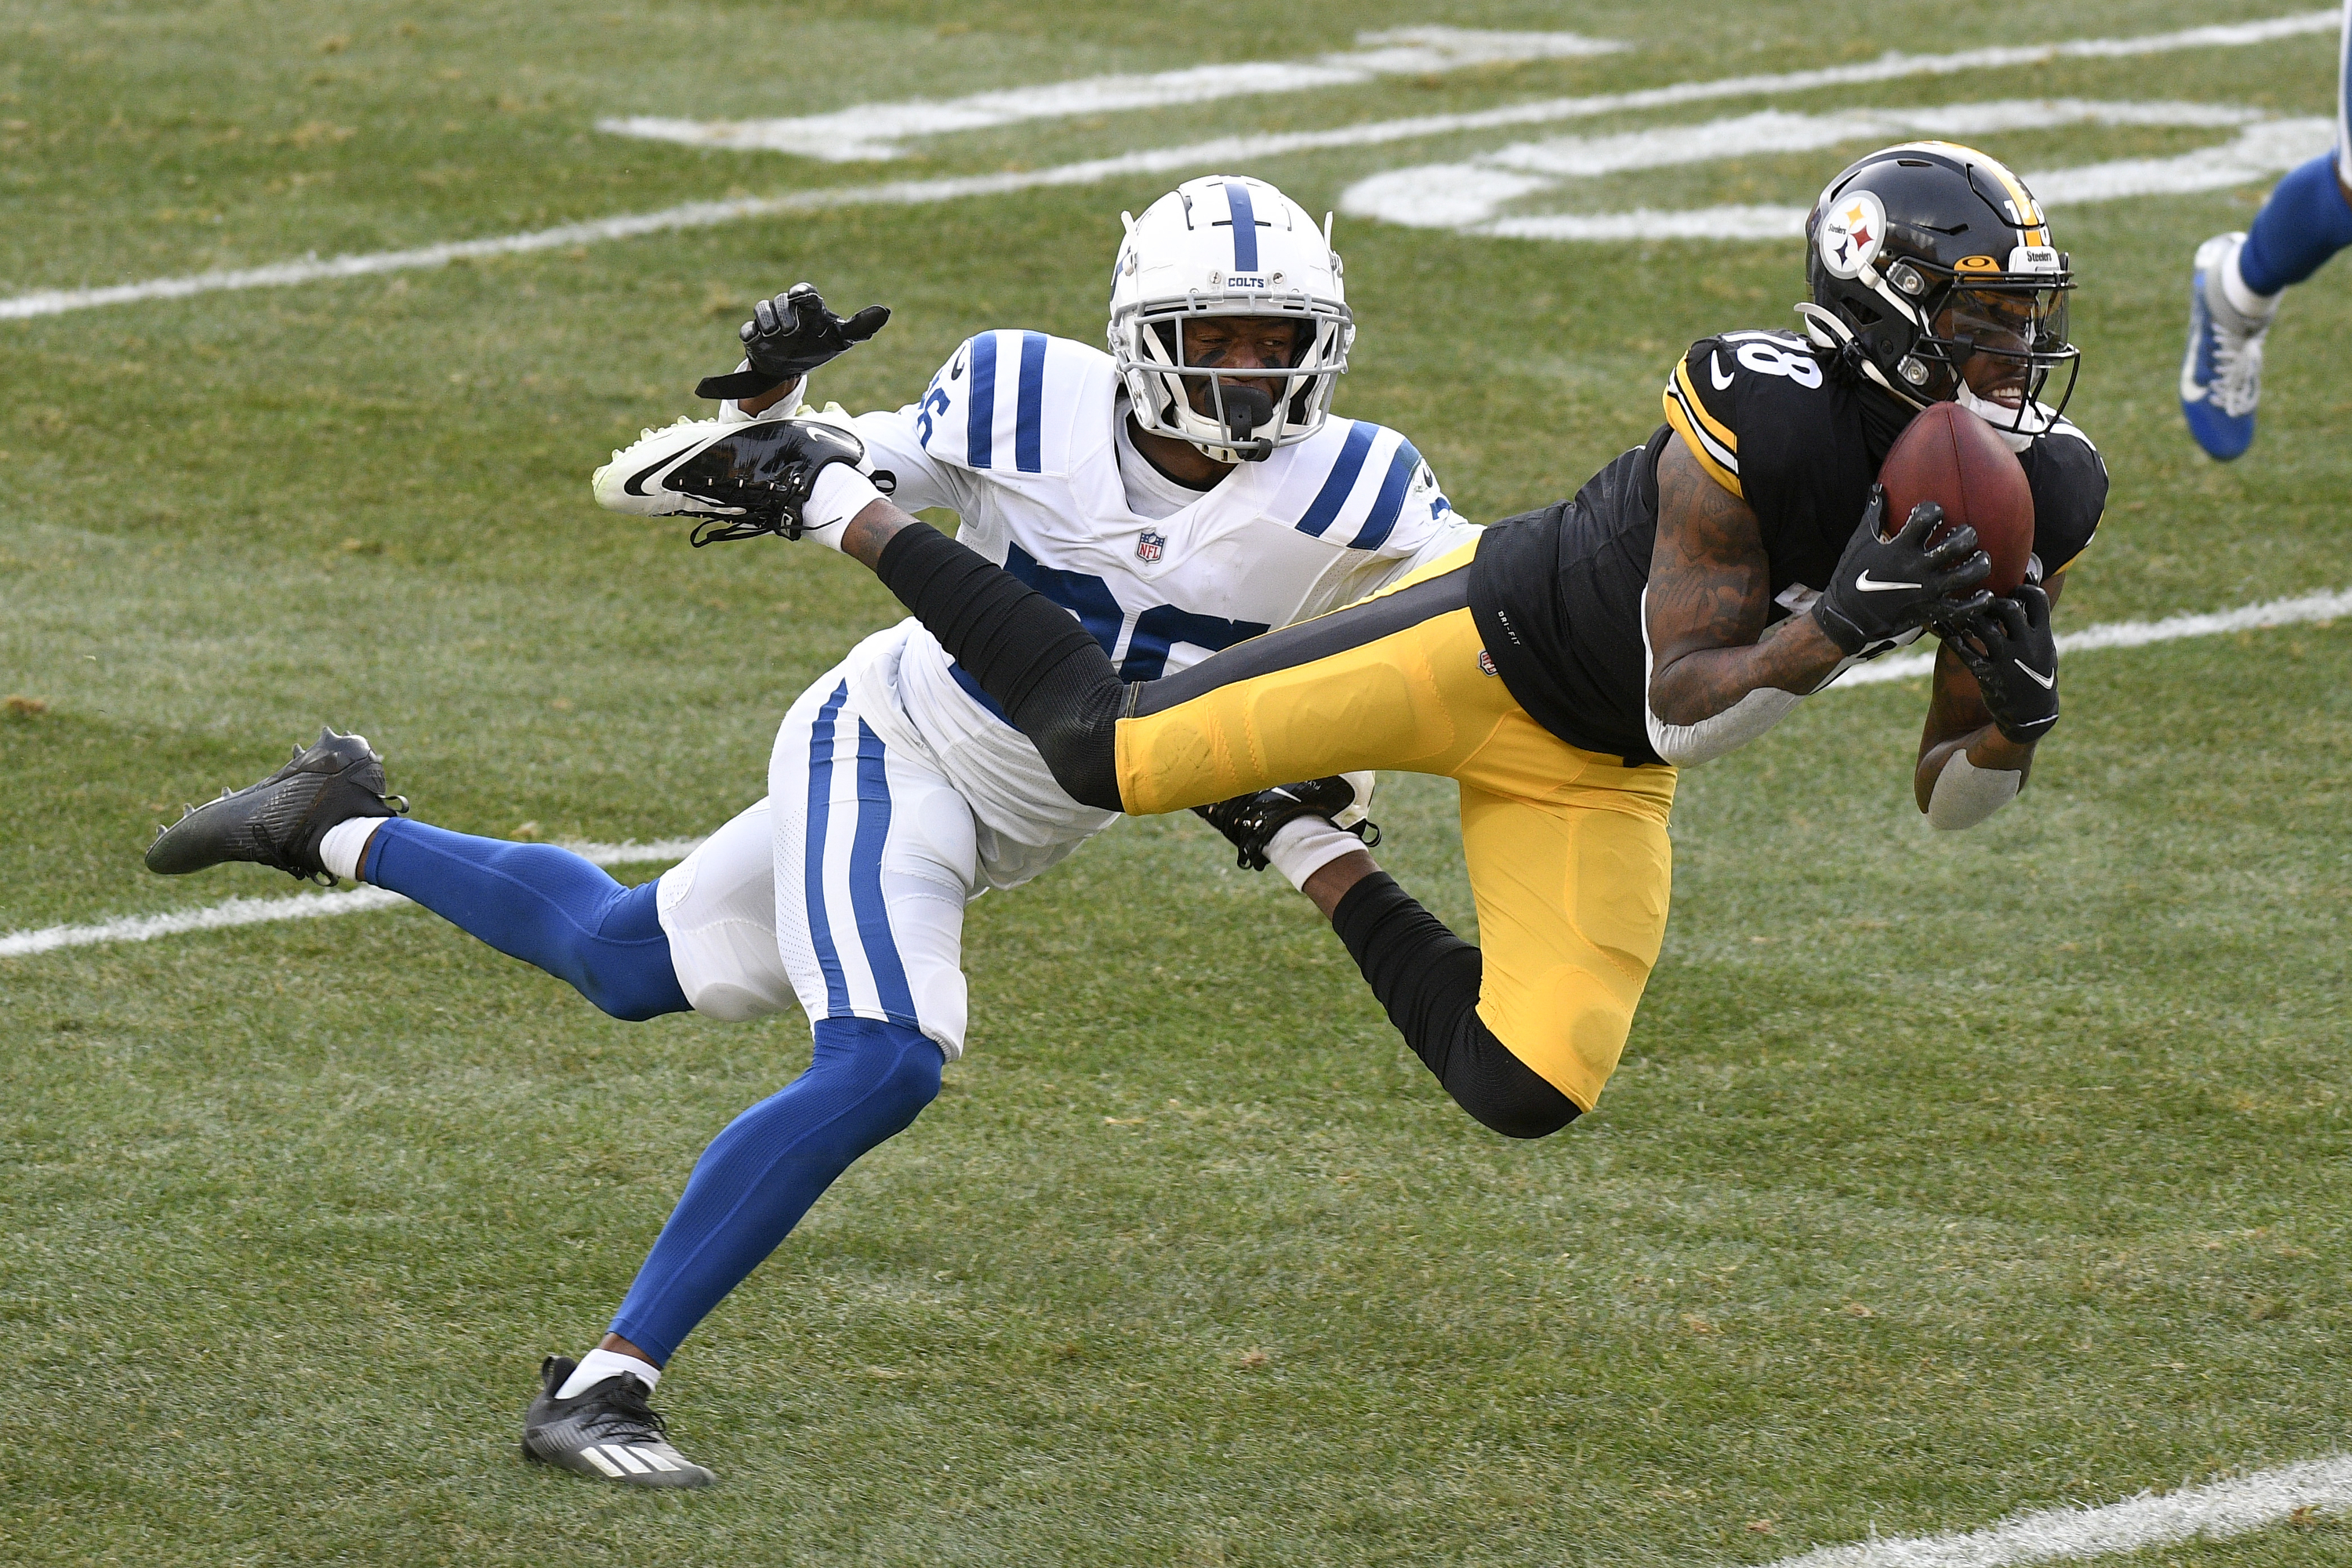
pixel 1756 409
pixel 2070 492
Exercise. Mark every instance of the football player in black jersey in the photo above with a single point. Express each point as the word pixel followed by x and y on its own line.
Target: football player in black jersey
pixel 1562 668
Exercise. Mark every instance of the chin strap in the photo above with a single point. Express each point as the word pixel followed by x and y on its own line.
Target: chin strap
pixel 1827 331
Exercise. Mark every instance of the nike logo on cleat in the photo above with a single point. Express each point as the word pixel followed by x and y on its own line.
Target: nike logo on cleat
pixel 2047 682
pixel 1870 585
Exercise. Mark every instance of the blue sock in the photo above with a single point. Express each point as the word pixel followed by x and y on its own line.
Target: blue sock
pixel 866 1081
pixel 2302 223
pixel 543 905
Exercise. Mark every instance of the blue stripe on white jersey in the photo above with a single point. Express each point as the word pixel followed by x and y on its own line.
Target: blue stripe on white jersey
pixel 1005 401
pixel 1382 520
pixel 979 417
pixel 1362 484
pixel 1340 481
pixel 1244 221
pixel 1030 404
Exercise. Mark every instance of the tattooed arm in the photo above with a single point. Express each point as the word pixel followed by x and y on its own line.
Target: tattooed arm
pixel 1710 590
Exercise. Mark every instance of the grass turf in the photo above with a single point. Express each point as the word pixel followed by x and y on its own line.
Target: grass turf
pixel 1943 1178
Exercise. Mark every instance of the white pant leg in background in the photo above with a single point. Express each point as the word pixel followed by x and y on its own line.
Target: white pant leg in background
pixel 875 858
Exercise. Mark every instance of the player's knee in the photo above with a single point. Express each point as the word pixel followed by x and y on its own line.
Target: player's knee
pixel 632 984
pixel 623 965
pixel 1531 1119
pixel 892 1071
pixel 1490 1081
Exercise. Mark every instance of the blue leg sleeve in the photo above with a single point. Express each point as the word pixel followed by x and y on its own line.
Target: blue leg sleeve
pixel 2302 223
pixel 866 1081
pixel 543 905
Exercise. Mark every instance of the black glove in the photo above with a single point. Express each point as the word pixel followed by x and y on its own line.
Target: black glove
pixel 1251 821
pixel 789 336
pixel 2007 646
pixel 1885 587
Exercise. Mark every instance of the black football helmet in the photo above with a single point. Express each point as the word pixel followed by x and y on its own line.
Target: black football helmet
pixel 1925 257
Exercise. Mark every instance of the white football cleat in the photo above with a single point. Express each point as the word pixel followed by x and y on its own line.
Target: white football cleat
pixel 748 477
pixel 2221 374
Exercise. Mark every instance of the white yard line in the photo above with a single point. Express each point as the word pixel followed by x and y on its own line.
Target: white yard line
pixel 300 907
pixel 2299 611
pixel 2214 1512
pixel 1227 152
pixel 1468 196
pixel 874 131
pixel 2308 608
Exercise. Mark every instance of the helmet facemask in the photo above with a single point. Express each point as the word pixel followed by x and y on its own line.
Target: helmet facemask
pixel 1994 347
pixel 1241 417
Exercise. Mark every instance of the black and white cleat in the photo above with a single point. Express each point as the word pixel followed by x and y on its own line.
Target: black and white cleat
pixel 279 821
pixel 607 1430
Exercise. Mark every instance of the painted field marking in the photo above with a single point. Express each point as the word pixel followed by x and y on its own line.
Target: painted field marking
pixel 874 131
pixel 2214 1512
pixel 1226 151
pixel 2302 610
pixel 300 907
pixel 1467 198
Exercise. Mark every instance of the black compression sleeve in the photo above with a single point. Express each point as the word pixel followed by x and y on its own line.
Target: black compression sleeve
pixel 1428 978
pixel 1049 676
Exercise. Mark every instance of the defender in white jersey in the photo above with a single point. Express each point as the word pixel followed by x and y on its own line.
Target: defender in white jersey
pixel 1180 494
pixel 1028 439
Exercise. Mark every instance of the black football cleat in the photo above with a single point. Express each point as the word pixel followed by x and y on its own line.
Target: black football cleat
pixel 279 821
pixel 607 1430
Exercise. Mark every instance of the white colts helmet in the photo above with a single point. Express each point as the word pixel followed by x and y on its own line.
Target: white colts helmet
pixel 1227 246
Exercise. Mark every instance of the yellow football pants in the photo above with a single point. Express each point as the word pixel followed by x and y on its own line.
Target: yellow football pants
pixel 1567 848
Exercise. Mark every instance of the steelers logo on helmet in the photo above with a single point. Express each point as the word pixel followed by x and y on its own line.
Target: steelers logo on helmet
pixel 1852 232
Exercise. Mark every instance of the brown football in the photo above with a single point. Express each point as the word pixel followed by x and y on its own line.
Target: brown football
pixel 1950 456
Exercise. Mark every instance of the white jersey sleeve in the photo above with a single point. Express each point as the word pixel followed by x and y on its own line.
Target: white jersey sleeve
pixel 1378 501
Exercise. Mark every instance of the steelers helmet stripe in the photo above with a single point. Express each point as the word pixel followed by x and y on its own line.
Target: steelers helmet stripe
pixel 2024 210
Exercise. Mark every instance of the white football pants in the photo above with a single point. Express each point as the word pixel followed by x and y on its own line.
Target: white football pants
pixel 843 891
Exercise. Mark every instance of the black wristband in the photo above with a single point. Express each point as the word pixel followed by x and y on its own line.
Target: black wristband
pixel 1837 628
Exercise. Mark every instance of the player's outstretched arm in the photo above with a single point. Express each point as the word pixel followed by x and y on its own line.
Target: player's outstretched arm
pixel 1996 695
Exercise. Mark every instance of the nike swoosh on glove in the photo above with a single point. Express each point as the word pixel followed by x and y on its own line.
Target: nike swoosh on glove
pixel 789 336
pixel 1884 587
pixel 2008 647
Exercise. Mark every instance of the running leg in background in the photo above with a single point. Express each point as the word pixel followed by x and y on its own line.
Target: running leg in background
pixel 2235 289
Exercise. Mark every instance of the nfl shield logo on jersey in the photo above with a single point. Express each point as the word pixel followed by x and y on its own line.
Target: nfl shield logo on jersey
pixel 1147 548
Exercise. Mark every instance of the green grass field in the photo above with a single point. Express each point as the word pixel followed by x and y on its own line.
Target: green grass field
pixel 1943 1178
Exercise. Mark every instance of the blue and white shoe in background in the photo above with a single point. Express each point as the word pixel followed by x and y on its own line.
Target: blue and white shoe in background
pixel 2221 375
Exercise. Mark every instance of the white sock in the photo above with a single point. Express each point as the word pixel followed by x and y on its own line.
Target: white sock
pixel 840 493
pixel 1305 844
pixel 2244 301
pixel 344 845
pixel 599 1364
